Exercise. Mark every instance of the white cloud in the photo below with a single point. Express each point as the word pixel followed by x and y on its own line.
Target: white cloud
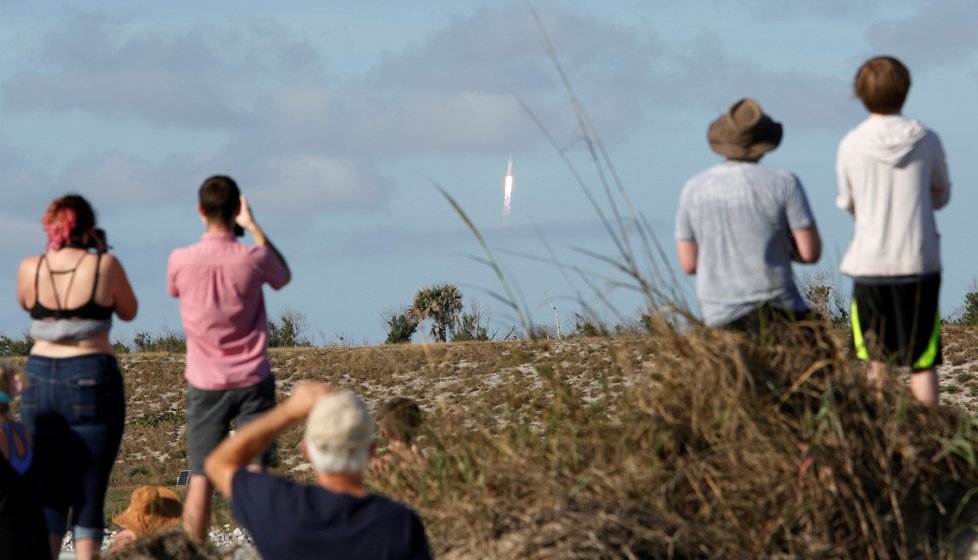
pixel 708 76
pixel 314 137
pixel 22 234
pixel 400 240
pixel 500 49
pixel 23 186
pixel 778 10
pixel 456 90
pixel 304 141
pixel 118 180
pixel 289 183
pixel 315 183
pixel 940 32
pixel 193 78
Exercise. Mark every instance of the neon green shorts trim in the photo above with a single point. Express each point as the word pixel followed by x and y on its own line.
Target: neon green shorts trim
pixel 898 323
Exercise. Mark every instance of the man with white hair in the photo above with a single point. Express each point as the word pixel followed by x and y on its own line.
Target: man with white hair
pixel 337 516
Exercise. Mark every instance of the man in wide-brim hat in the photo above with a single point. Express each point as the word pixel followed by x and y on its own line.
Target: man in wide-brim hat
pixel 740 225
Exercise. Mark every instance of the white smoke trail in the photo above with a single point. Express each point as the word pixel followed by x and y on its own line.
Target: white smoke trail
pixel 508 190
pixel 507 196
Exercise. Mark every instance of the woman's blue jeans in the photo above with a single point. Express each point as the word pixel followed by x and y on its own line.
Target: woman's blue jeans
pixel 75 410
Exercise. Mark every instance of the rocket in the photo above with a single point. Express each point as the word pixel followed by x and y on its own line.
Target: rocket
pixel 508 189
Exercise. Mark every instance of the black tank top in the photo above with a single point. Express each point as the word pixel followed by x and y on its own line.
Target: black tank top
pixel 90 310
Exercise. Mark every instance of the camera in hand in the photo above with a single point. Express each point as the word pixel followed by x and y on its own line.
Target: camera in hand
pixel 99 241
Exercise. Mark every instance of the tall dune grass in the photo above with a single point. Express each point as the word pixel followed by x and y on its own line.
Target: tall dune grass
pixel 724 448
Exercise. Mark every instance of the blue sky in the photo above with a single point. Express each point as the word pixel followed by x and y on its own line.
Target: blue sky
pixel 337 117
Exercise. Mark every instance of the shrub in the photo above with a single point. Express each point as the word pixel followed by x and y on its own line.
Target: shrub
pixel 16 347
pixel 542 332
pixel 473 325
pixel 289 331
pixel 401 326
pixel 168 341
pixel 970 315
pixel 584 325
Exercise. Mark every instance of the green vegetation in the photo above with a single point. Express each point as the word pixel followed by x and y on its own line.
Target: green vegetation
pixel 289 330
pixel 585 325
pixel 970 315
pixel 16 347
pixel 441 304
pixel 401 326
pixel 168 341
pixel 471 325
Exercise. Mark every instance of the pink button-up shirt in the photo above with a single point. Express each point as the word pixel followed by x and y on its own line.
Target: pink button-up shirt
pixel 219 281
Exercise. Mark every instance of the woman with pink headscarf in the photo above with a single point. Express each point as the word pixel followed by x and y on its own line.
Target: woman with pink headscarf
pixel 74 403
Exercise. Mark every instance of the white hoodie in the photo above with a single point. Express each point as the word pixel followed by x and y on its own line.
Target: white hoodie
pixel 892 177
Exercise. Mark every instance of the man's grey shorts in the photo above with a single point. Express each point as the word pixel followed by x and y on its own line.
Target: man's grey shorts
pixel 209 416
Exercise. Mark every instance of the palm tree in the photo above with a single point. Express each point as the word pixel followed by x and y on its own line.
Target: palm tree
pixel 442 304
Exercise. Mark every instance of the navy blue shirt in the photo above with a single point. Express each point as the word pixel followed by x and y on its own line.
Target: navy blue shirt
pixel 290 520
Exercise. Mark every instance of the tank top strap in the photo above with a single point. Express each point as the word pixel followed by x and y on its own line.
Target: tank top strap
pixel 98 265
pixel 37 274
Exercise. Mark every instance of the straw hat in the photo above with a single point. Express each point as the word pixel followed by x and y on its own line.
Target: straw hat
pixel 151 508
pixel 744 132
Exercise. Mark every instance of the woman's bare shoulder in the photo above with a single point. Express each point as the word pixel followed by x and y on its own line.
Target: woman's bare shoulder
pixel 109 262
pixel 30 262
pixel 28 268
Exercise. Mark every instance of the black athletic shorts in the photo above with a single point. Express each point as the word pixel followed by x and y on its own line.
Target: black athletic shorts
pixel 209 416
pixel 898 323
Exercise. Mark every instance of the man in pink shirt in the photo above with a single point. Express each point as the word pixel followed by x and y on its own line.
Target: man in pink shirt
pixel 219 282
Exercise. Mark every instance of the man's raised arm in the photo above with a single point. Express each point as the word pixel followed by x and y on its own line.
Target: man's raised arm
pixel 247 221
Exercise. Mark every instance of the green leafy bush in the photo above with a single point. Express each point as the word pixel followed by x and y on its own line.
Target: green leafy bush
pixel 168 341
pixel 401 326
pixel 970 315
pixel 16 347
pixel 473 325
pixel 289 331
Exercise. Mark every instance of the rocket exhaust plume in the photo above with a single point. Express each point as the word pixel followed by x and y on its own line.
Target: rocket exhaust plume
pixel 508 189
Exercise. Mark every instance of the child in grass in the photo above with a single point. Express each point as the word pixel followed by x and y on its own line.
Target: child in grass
pixel 151 510
pixel 400 422
pixel 23 532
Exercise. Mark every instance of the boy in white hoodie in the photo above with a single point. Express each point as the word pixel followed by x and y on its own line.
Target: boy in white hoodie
pixel 892 177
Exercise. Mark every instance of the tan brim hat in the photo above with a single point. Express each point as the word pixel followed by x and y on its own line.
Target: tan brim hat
pixel 744 132
pixel 151 509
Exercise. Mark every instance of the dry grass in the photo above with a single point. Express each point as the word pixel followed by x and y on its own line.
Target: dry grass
pixel 695 446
